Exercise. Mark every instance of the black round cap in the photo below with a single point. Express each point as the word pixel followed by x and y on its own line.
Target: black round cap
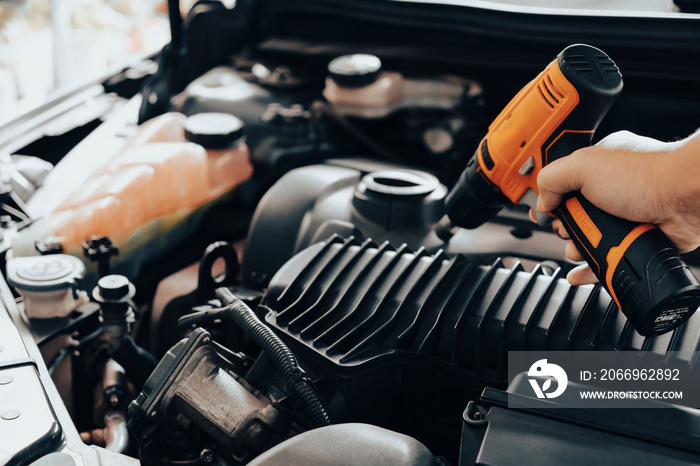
pixel 214 130
pixel 357 70
pixel 114 287
pixel 399 183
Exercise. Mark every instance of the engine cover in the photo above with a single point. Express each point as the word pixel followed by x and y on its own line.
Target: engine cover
pixel 404 339
pixel 360 304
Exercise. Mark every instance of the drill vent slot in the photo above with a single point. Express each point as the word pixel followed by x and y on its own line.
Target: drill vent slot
pixel 544 97
pixel 579 64
pixel 552 88
pixel 549 91
pixel 606 64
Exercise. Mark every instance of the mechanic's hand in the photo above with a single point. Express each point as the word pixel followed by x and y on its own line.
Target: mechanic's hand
pixel 632 177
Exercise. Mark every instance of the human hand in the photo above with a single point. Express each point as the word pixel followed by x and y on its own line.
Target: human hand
pixel 632 177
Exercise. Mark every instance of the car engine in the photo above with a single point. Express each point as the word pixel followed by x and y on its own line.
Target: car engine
pixel 237 261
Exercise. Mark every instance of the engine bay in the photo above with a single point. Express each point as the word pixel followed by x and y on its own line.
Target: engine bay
pixel 238 261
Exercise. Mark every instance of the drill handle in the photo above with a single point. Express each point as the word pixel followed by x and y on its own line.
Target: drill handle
pixel 635 262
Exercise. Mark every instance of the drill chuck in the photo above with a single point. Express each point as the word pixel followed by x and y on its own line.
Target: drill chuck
pixel 472 201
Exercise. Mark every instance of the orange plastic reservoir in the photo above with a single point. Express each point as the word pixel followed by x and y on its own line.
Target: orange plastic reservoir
pixel 152 190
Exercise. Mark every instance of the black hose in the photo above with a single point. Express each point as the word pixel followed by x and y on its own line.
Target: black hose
pixel 175 19
pixel 200 317
pixel 299 385
pixel 68 350
pixel 354 131
pixel 136 361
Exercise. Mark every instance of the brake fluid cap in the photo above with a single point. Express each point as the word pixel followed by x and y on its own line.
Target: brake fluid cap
pixel 356 70
pixel 47 283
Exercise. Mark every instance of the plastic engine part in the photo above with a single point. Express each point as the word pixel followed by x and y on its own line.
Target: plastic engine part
pixel 348 445
pixel 361 304
pixel 575 437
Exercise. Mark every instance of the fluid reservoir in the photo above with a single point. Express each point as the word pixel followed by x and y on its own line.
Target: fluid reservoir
pixel 165 128
pixel 357 86
pixel 149 196
pixel 223 137
pixel 48 284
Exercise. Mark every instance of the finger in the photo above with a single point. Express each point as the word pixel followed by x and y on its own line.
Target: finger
pixel 559 229
pixel 572 253
pixel 532 215
pixel 558 178
pixel 582 275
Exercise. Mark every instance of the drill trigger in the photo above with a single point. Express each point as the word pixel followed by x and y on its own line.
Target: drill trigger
pixel 530 199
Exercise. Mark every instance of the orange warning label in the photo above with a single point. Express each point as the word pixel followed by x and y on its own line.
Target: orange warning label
pixel 584 222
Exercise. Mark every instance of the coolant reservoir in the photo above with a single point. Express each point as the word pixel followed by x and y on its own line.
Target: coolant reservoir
pixel 357 86
pixel 165 128
pixel 222 137
pixel 150 195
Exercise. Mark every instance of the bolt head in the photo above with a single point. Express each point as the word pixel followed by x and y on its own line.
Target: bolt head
pixel 206 455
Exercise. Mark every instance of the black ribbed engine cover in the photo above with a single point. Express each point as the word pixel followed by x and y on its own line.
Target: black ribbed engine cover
pixel 354 303
pixel 405 339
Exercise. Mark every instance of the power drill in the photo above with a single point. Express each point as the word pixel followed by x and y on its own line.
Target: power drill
pixel 551 117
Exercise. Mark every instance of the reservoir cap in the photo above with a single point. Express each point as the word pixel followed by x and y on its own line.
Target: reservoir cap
pixel 214 130
pixel 115 288
pixel 357 70
pixel 45 273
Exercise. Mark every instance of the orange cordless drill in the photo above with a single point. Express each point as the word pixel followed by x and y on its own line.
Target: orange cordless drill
pixel 551 117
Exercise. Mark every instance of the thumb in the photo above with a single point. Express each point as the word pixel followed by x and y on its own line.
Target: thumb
pixel 559 177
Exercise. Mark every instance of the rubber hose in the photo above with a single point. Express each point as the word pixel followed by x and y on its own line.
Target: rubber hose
pixel 68 350
pixel 299 385
pixel 199 318
pixel 136 361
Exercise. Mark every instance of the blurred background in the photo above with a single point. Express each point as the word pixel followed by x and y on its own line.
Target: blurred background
pixel 51 45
